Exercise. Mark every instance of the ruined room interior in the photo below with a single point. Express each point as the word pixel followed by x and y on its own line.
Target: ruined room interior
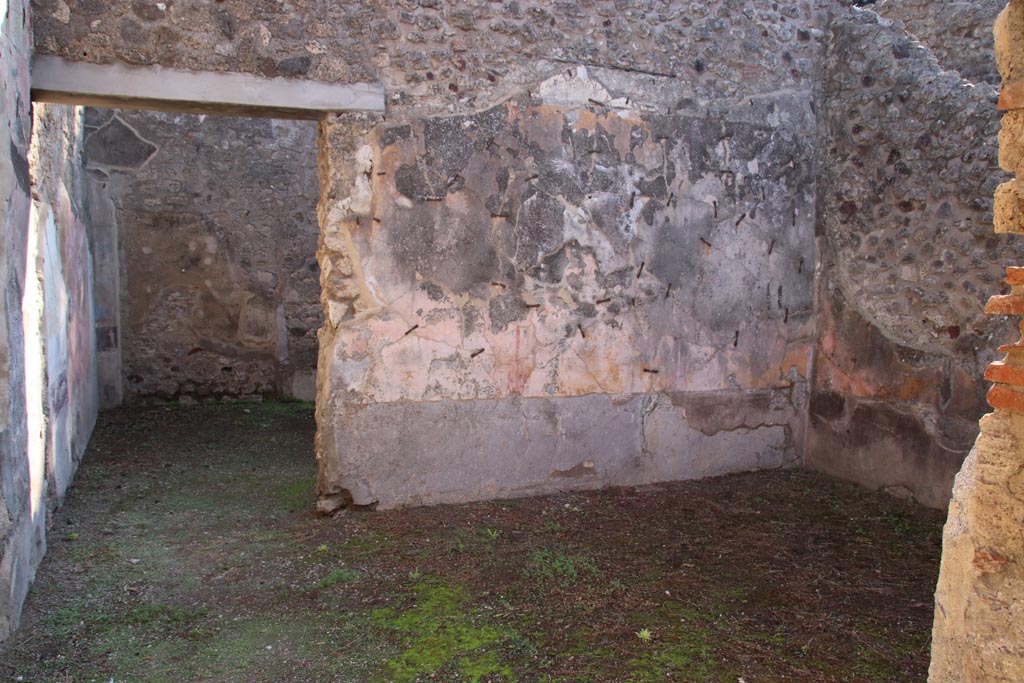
pixel 617 340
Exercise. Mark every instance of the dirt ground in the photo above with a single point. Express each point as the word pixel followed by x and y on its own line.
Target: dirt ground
pixel 188 551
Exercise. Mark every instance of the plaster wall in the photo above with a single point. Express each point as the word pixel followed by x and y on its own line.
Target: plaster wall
pixel 604 278
pixel 47 383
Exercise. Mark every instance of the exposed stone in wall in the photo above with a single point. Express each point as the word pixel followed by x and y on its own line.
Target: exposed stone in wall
pixel 958 32
pixel 907 260
pixel 591 273
pixel 465 54
pixel 216 219
pixel 979 603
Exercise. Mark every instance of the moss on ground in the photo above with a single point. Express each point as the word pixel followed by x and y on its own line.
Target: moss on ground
pixel 445 633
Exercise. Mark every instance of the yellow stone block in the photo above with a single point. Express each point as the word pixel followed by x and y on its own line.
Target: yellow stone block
pixel 1009 207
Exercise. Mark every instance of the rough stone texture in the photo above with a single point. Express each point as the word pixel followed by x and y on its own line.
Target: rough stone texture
pixel 578 243
pixel 979 603
pixel 48 396
pixel 958 32
pixel 907 259
pixel 216 222
pixel 466 54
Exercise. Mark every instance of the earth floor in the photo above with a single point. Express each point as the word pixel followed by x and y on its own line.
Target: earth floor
pixel 188 551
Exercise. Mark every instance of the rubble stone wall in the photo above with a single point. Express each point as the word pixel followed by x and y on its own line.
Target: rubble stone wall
pixel 907 259
pixel 214 231
pixel 958 32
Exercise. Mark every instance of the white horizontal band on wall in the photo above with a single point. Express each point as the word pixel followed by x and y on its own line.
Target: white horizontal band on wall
pixel 57 80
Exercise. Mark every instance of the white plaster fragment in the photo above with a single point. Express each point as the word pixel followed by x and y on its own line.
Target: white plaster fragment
pixel 62 13
pixel 561 90
pixel 361 199
pixel 225 49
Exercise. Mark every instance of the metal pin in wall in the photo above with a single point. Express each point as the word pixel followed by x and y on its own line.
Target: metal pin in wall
pixel 771 247
pixel 740 220
pixel 531 305
pixel 651 371
pixel 500 284
pixel 714 205
pixel 476 353
pixel 668 290
pixel 671 196
pixel 582 333
pixel 603 301
pixel 707 245
pixel 641 271
pixel 382 172
pixel 736 339
pixel 411 330
pixel 786 319
pixel 632 200
pixel 800 269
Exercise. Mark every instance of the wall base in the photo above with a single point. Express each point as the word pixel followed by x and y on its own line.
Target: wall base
pixel 419 453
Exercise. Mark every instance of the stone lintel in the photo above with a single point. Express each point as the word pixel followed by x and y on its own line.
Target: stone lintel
pixel 172 90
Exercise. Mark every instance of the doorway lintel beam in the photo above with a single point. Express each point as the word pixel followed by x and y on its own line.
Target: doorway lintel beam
pixel 157 88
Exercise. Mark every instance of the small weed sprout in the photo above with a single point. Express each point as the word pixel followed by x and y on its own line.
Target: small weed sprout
pixel 551 526
pixel 415 575
pixel 492 534
pixel 645 635
pixel 322 548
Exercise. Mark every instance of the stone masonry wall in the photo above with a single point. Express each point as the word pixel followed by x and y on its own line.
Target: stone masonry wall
pixel 215 218
pixel 447 55
pixel 907 259
pixel 958 32
pixel 47 364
